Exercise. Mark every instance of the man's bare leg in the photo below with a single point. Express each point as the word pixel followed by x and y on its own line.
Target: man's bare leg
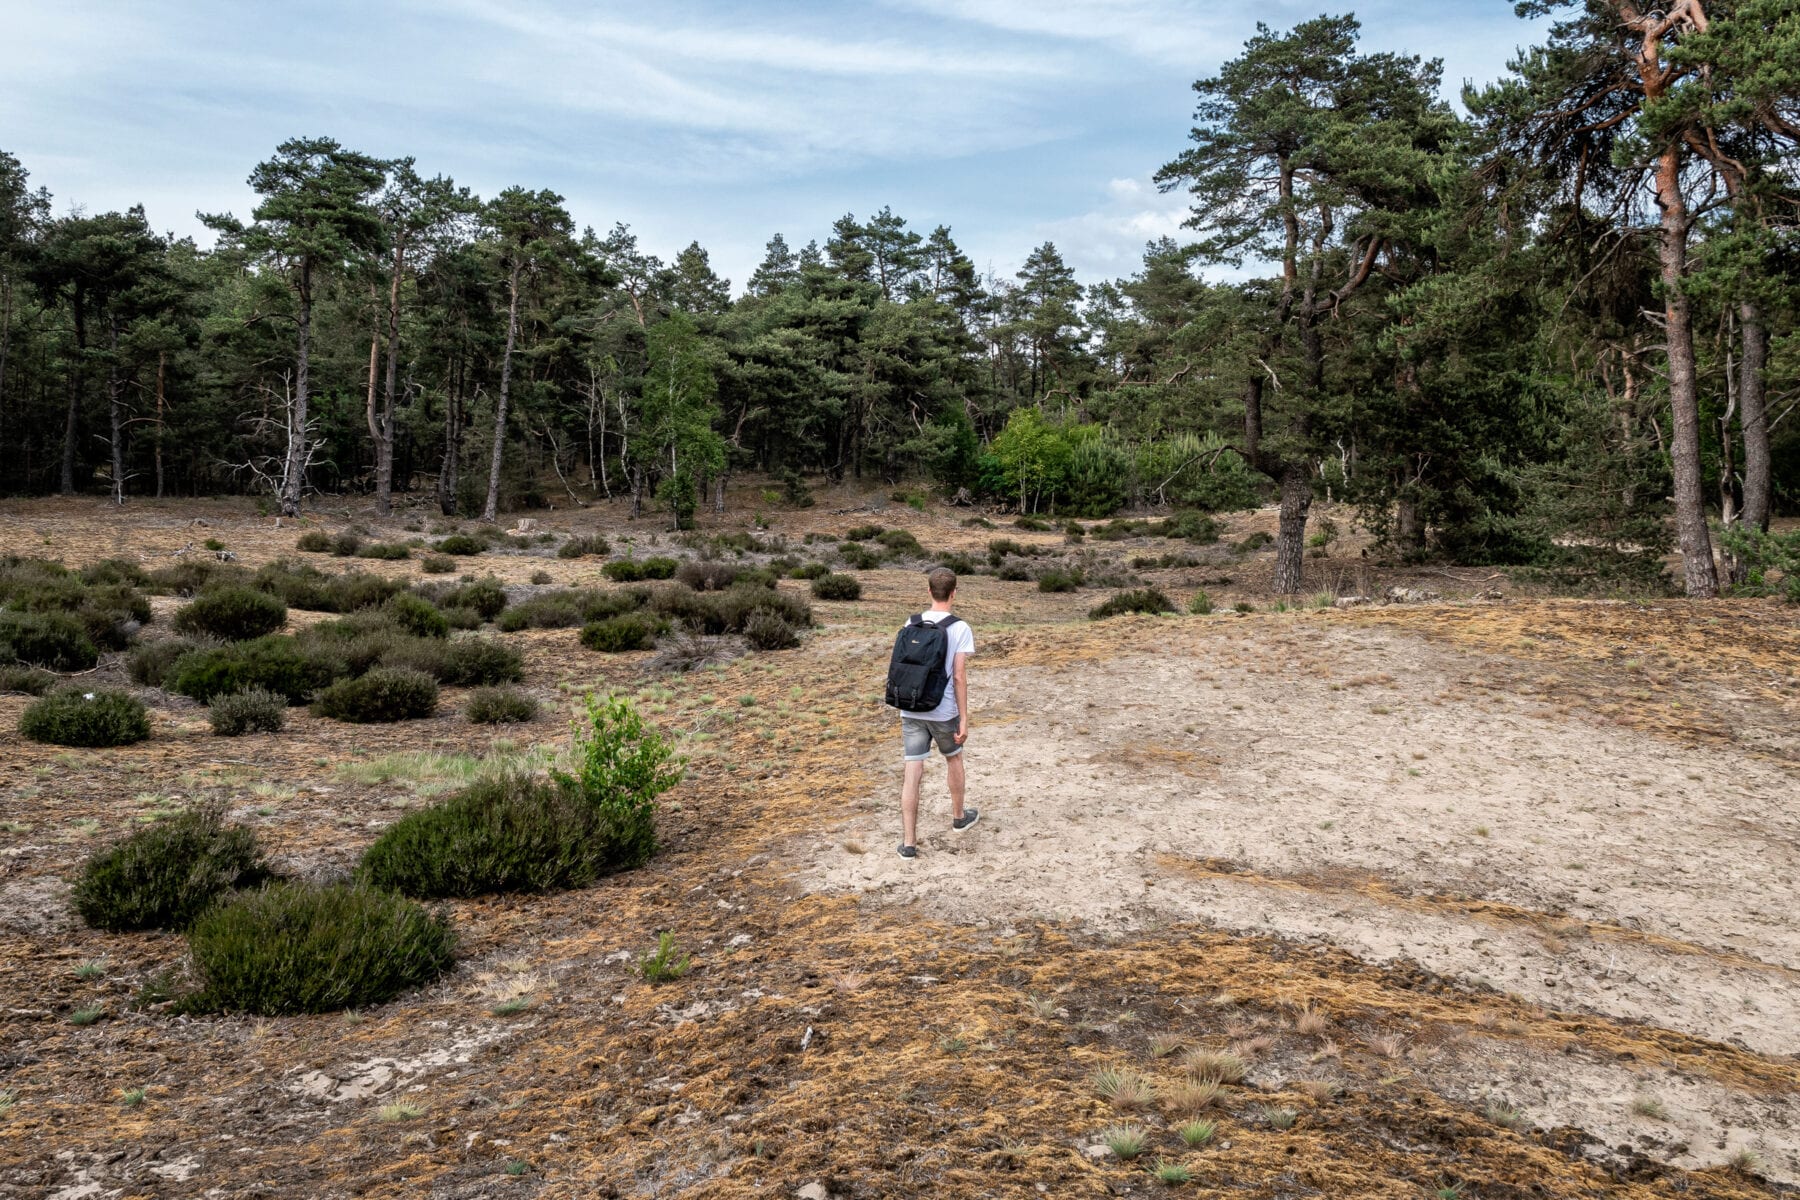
pixel 953 772
pixel 909 802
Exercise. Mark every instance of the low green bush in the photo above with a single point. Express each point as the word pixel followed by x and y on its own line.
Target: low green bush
pixel 862 533
pixel 313 541
pixel 1056 579
pixel 859 557
pixel 811 570
pixel 633 570
pixel 622 768
pixel 380 695
pixel 499 706
pixel 478 662
pixel 837 587
pixel 345 545
pixel 461 545
pixel 615 635
pixel 29 680
pixel 1139 600
pixel 960 563
pixel 581 547
pixel 71 716
pixel 280 664
pixel 437 564
pixel 1031 525
pixel 553 610
pixel 114 570
pixel 459 617
pixel 707 576
pixel 293 948
pixel 253 710
pixel 1013 572
pixel 485 596
pixel 1195 527
pixel 52 640
pixel 149 662
pixel 385 551
pixel 416 615
pixel 191 576
pixel 1253 542
pixel 509 833
pixel 235 614
pixel 165 876
pixel 300 585
pixel 764 630
pixel 1201 604
pixel 899 541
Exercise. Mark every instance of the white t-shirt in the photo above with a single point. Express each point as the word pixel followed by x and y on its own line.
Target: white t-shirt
pixel 960 640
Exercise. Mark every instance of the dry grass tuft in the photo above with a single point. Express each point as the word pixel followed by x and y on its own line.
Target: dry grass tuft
pixel 1165 1044
pixel 1389 1045
pixel 1187 1096
pixel 1124 1090
pixel 1220 1066
pixel 1310 1022
pixel 1318 1089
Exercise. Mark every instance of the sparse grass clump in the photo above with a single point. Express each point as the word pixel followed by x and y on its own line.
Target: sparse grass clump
pixel 1139 600
pixel 1122 1089
pixel 1649 1106
pixel 235 614
pixel 500 706
pixel 310 948
pixel 1195 1134
pixel 87 1014
pixel 383 694
pixel 71 716
pixel 165 876
pixel 666 963
pixel 253 710
pixel 1277 1117
pixel 1191 1095
pixel 837 587
pixel 1125 1141
pixel 1501 1113
pixel 1172 1173
pixel 1219 1066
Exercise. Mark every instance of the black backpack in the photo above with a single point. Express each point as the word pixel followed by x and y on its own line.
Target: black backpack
pixel 916 675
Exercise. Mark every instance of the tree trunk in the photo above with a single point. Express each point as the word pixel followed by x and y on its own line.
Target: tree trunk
pixel 1409 533
pixel 369 415
pixel 1290 541
pixel 162 357
pixel 1753 415
pixel 384 441
pixel 116 412
pixel 1702 576
pixel 68 454
pixel 5 345
pixel 490 510
pixel 295 468
pixel 719 493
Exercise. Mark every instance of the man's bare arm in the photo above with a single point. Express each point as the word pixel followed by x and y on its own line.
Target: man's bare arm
pixel 960 676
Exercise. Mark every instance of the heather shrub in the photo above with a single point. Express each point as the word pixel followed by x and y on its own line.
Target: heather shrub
pixel 53 640
pixel 552 610
pixel 485 596
pixel 630 631
pixel 313 541
pixel 765 630
pixel 114 571
pixel 253 710
pixel 380 695
pixel 73 717
pixel 837 587
pixel 581 547
pixel 500 706
pixel 345 545
pixel 461 545
pixel 1139 600
pixel 707 576
pixel 165 876
pixel 29 680
pixel 309 948
pixel 1196 527
pixel 437 564
pixel 1055 579
pixel 859 557
pixel 191 576
pixel 1013 572
pixel 235 614
pixel 149 662
pixel 460 617
pixel 899 541
pixel 279 664
pixel 386 551
pixel 478 662
pixel 416 615
pixel 862 533
pixel 811 570
pixel 632 570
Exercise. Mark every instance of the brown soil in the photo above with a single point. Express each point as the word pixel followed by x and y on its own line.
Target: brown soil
pixel 1426 867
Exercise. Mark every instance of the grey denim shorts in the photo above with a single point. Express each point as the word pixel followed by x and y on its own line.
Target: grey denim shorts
pixel 917 736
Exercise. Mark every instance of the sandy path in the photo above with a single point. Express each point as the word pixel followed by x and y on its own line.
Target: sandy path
pixel 1345 788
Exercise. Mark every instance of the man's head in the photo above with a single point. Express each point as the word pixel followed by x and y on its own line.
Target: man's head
pixel 943 584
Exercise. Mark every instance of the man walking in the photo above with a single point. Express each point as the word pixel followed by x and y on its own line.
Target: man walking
pixel 928 681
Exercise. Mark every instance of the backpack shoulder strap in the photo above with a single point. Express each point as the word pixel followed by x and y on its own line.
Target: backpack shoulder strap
pixel 948 621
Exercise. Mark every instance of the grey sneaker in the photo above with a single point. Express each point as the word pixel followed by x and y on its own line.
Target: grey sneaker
pixel 909 852
pixel 969 817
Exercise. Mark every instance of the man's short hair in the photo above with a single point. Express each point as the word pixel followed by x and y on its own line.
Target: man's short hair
pixel 943 582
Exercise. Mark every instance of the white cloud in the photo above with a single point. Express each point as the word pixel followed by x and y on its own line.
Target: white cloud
pixel 1108 240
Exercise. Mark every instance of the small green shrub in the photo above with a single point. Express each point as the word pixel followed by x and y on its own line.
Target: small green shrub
pixel 1253 542
pixel 581 547
pixel 53 640
pixel 308 948
pixel 1031 525
pixel 437 564
pixel 899 541
pixel 191 576
pixel 1201 604
pixel 811 570
pixel 665 964
pixel 236 614
pixel 707 576
pixel 383 694
pixel 1195 527
pixel 485 596
pixel 116 571
pixel 458 617
pixel 344 545
pixel 837 587
pixel 300 585
pixel 621 769
pixel 313 541
pixel 461 545
pixel 280 664
pixel 1013 572
pixel 1139 600
pixel 553 610
pixel 859 557
pixel 73 717
pixel 765 630
pixel 385 551
pixel 508 833
pixel 149 662
pixel 254 710
pixel 478 662
pixel 615 635
pixel 500 706
pixel 165 876
pixel 977 523
pixel 794 490
pixel 1055 579
pixel 416 615
pixel 862 533
pixel 959 562
pixel 29 680
pixel 632 570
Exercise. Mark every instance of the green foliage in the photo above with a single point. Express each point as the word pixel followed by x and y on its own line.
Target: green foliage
pixel 1201 604
pixel 292 948
pixel 666 963
pixel 149 663
pixel 300 585
pixel 385 551
pixel 614 635
pixel 621 769
pixel 1764 555
pixel 437 564
pixel 279 664
pixel 461 545
pixel 630 570
pixel 53 640
pixel 837 587
pixel 254 710
pixel 485 596
pixel 500 706
pixel 1056 579
pixel 165 876
pixel 383 694
pixel 1140 600
pixel 313 541
pixel 1195 527
pixel 765 630
pixel 811 570
pixel 794 491
pixel 416 615
pixel 29 680
pixel 581 547
pixel 900 542
pixel 234 614
pixel 859 557
pixel 70 716
pixel 862 533
pixel 707 576
pixel 345 545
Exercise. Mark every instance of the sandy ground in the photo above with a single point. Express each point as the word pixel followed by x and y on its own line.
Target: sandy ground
pixel 1339 784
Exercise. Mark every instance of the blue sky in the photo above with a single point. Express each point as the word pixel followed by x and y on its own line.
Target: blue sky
pixel 1011 121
